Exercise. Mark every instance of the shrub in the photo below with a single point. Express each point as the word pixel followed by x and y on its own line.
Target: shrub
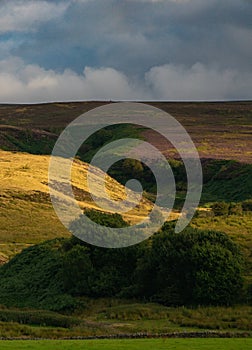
pixel 41 318
pixel 235 209
pixel 106 219
pixel 220 208
pixel 247 205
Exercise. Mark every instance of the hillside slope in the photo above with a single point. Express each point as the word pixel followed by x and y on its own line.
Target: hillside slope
pixel 27 216
pixel 220 130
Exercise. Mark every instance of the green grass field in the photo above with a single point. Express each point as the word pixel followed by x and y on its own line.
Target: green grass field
pixel 147 344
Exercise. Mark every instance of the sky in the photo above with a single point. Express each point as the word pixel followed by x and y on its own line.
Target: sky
pixel 172 50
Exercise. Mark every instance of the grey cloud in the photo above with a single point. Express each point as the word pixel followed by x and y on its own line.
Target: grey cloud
pixel 21 83
pixel 138 39
pixel 199 83
pixel 26 15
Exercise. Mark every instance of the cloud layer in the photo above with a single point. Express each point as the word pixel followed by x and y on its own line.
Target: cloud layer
pixel 31 83
pixel 25 16
pixel 125 50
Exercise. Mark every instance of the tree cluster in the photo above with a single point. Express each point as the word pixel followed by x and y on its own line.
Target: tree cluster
pixel 190 268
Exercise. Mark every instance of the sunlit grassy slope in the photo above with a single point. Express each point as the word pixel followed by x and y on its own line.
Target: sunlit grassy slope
pixel 27 216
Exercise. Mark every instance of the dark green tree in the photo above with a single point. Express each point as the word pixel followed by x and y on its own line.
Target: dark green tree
pixel 193 267
pixel 78 270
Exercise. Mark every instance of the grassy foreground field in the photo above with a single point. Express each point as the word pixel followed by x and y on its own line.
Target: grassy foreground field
pixel 147 344
pixel 104 317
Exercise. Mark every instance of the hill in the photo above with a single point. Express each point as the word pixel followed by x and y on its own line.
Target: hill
pixel 24 200
pixel 40 276
pixel 220 130
pixel 27 215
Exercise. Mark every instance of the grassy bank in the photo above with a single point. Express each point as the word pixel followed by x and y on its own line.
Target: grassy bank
pixel 105 317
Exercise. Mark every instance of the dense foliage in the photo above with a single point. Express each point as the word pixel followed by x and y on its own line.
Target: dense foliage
pixel 193 267
pixel 34 278
pixel 105 219
pixel 190 268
